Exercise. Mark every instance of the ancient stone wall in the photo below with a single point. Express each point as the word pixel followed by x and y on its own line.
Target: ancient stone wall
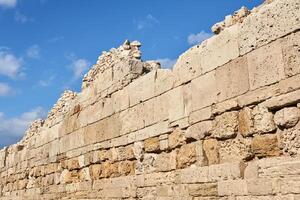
pixel 223 124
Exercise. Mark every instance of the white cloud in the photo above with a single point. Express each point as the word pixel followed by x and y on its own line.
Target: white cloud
pixel 197 38
pixel 33 51
pixel 17 126
pixel 79 67
pixel 148 22
pixel 10 65
pixel 8 3
pixel 5 90
pixel 167 62
pixel 55 39
pixel 21 18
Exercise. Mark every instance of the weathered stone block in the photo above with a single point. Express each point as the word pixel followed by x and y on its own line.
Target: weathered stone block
pixel 263 120
pixel 211 151
pixel 265 65
pixel 165 162
pixel 219 49
pixel 232 79
pixel 164 81
pixel 127 168
pixel 186 156
pixel 246 125
pixel 204 91
pixel 176 138
pixel 203 190
pixel 291 56
pixel 151 144
pixel 200 115
pixel 199 131
pixel 265 145
pixel 226 125
pixel 287 117
pixel 232 187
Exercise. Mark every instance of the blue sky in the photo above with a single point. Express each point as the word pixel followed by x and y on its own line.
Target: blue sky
pixel 47 45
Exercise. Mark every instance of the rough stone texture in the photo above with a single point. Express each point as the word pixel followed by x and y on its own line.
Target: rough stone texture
pixel 223 124
pixel 287 117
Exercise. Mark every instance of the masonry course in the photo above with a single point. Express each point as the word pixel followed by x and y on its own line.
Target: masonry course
pixel 223 124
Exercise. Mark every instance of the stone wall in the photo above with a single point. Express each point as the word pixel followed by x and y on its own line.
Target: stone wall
pixel 223 124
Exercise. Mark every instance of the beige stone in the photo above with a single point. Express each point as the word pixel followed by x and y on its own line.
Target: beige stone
pixel 211 151
pixel 200 115
pixel 204 91
pixel 186 156
pixel 287 117
pixel 165 162
pixel 246 124
pixel 176 138
pixel 232 79
pixel 263 120
pixel 265 65
pixel 265 145
pixel 203 190
pixel 291 55
pixel 199 131
pixel 151 144
pixel 226 125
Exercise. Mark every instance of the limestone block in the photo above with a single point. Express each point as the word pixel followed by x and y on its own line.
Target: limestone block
pixel 204 91
pixel 246 123
pixel 291 55
pixel 71 141
pixel 270 22
pixel 211 151
pixel 232 187
pixel 142 88
pixel 151 144
pixel 188 65
pixel 147 164
pixel 164 144
pixel 288 186
pixel 287 117
pixel 179 102
pixel 138 148
pixel 225 171
pixel 176 138
pixel 200 115
pixel 282 100
pixel 3 153
pixel 263 120
pixel 84 174
pixel 193 174
pixel 109 169
pixel 289 140
pixel 126 168
pixel 232 79
pixel 95 171
pixel 120 100
pixel 265 145
pixel 219 49
pixel 186 156
pixel 226 125
pixel 161 107
pixel 265 65
pixel 146 112
pixel 237 149
pixel 125 153
pixel 203 190
pixel 199 131
pixel 104 80
pixel 227 105
pixel 164 81
pixel 165 162
pixel 153 131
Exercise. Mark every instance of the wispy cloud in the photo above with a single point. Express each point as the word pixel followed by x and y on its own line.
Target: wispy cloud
pixel 55 39
pixel 8 3
pixel 33 51
pixel 79 66
pixel 197 38
pixel 16 126
pixel 21 18
pixel 148 22
pixel 10 65
pixel 46 82
pixel 167 62
pixel 6 90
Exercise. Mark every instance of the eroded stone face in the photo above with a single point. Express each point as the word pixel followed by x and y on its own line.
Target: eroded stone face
pixel 287 117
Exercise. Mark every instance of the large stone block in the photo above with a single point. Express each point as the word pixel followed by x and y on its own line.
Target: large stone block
pixel 142 88
pixel 165 162
pixel 204 91
pixel 203 190
pixel 287 117
pixel 232 79
pixel 269 23
pixel 164 81
pixel 265 65
pixel 211 151
pixel 220 49
pixel 186 156
pixel 176 139
pixel 291 55
pixel 226 125
pixel 199 131
pixel 265 146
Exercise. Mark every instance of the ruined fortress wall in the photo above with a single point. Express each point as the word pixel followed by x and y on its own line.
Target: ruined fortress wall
pixel 223 124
